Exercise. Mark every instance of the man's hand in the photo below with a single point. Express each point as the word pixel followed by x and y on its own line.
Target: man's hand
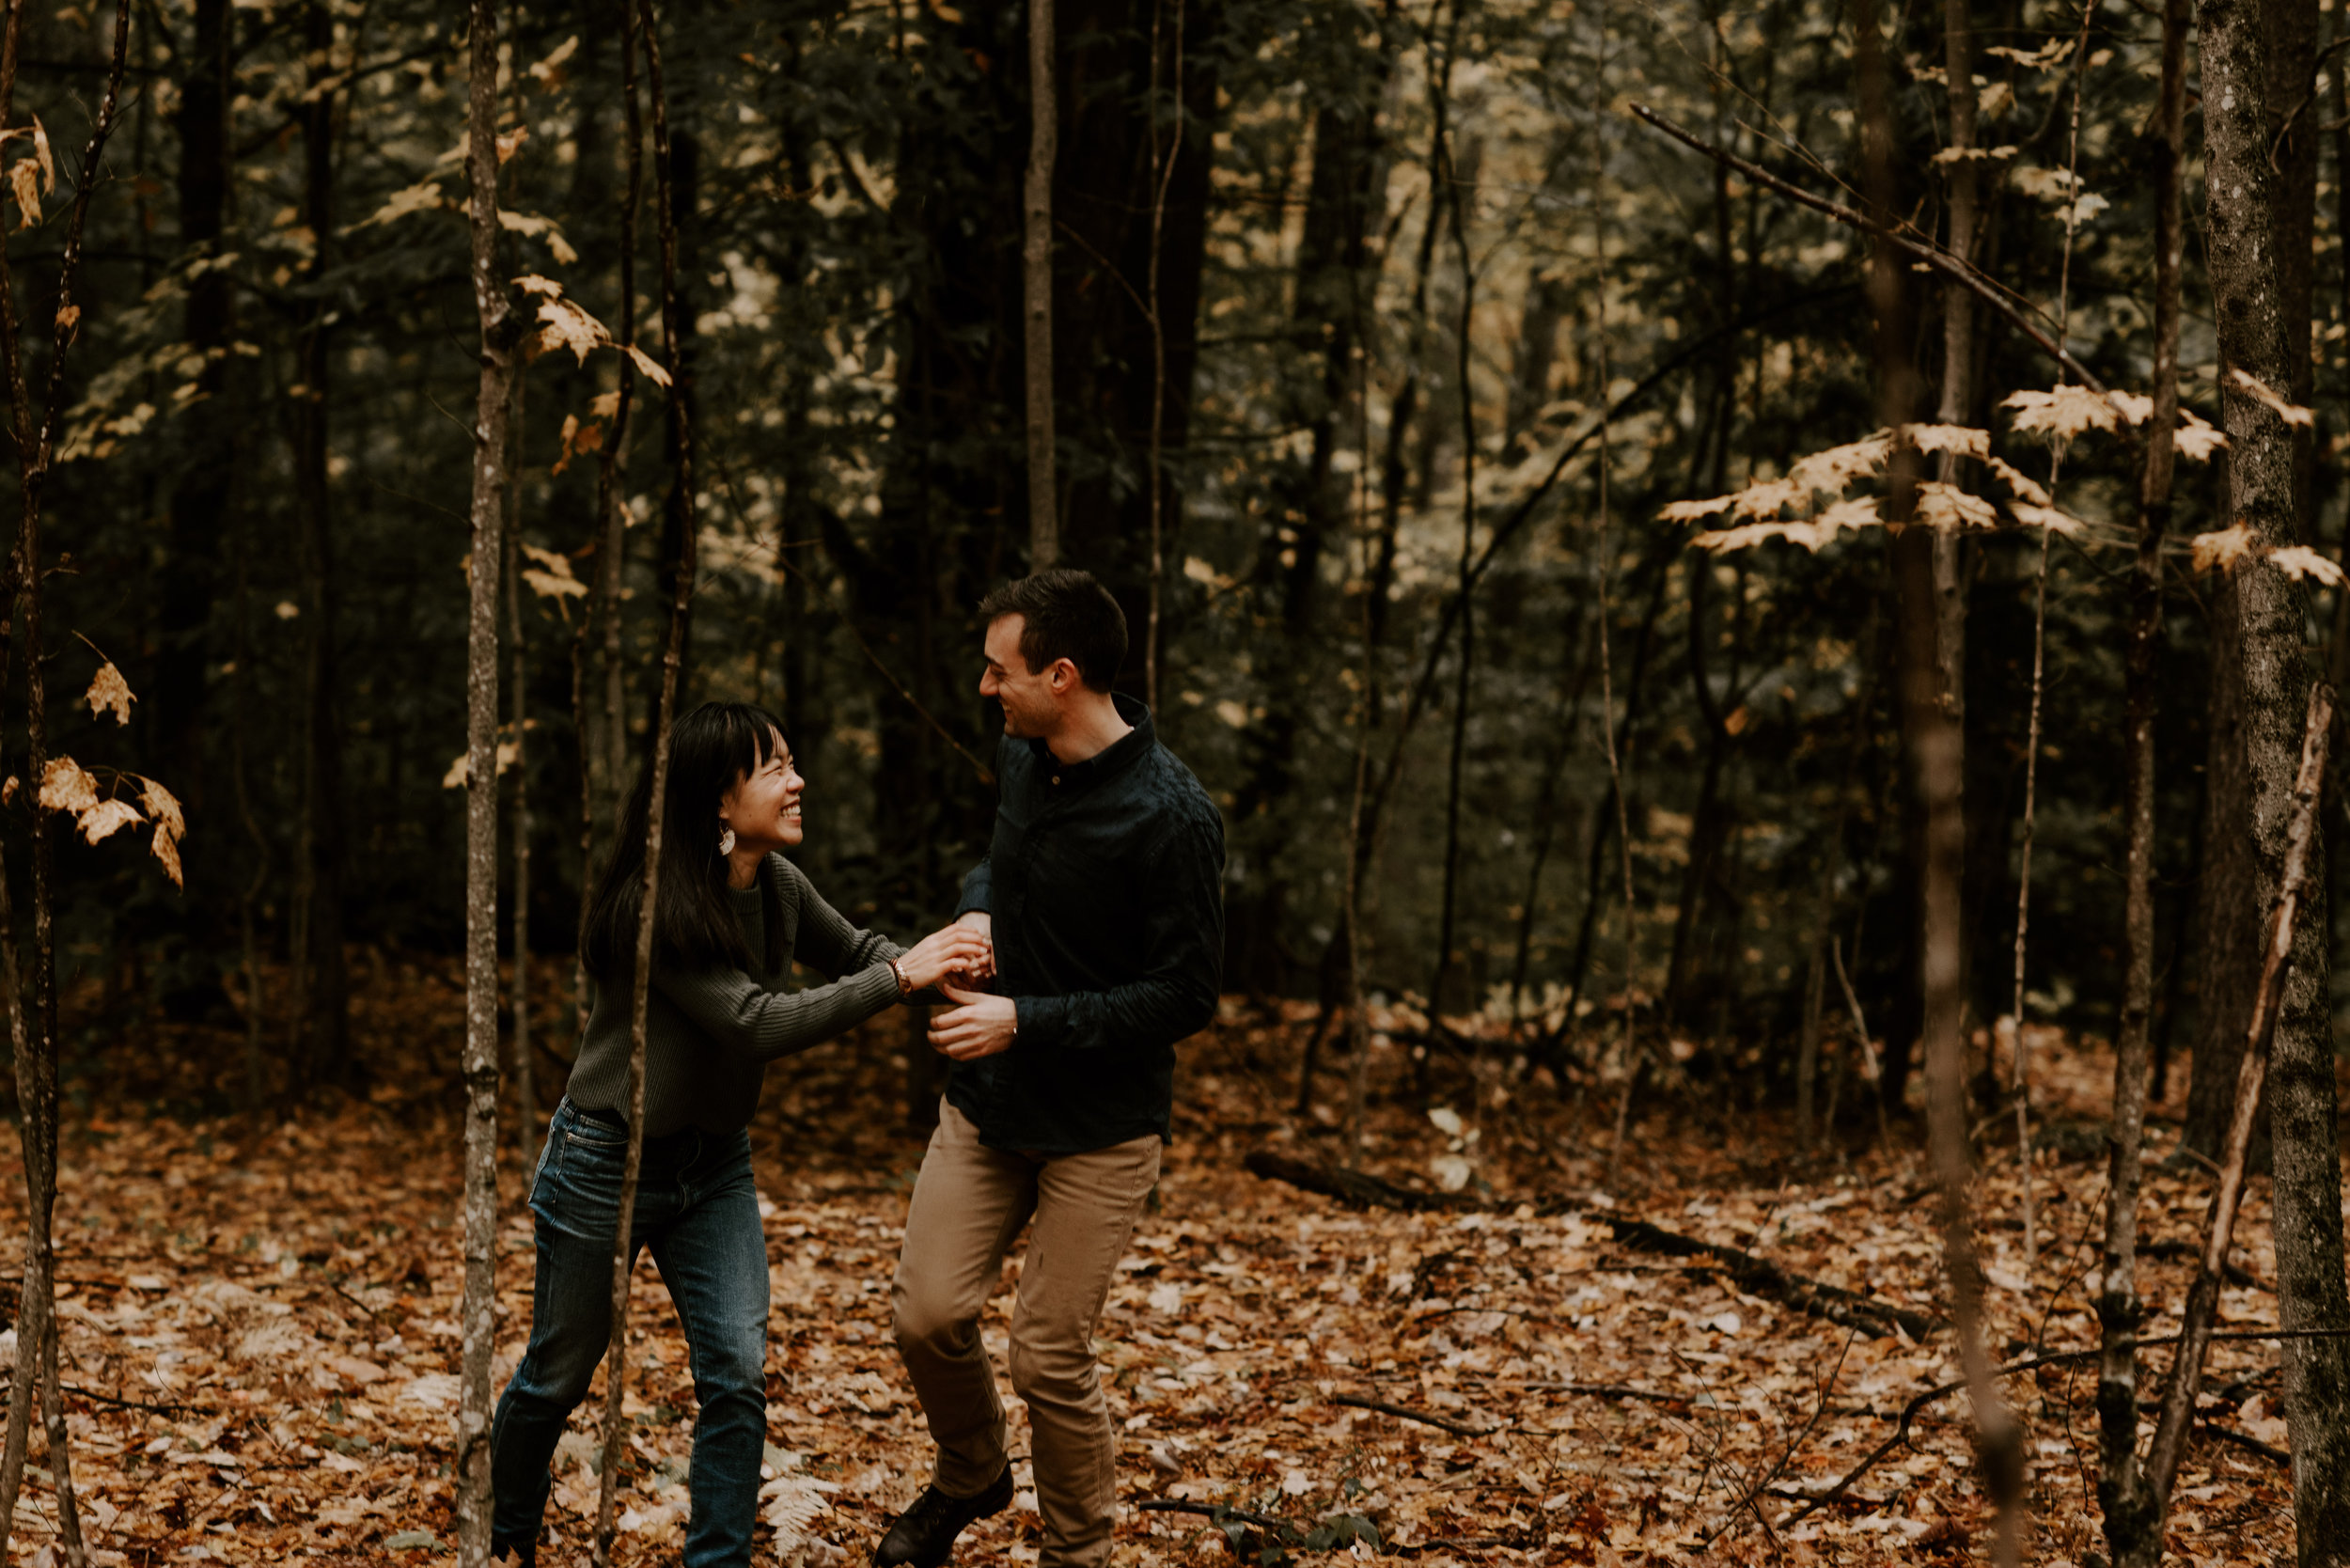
pixel 978 1026
pixel 978 920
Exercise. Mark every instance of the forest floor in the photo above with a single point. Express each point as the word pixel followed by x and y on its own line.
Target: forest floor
pixel 261 1324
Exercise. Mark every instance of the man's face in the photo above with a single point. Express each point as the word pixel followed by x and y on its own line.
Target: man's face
pixel 1028 696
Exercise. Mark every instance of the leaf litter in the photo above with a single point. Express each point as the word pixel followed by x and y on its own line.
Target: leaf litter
pixel 260 1322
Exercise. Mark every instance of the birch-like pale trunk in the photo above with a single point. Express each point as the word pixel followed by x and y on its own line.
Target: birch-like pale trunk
pixel 640 977
pixel 492 404
pixel 34 1038
pixel 2131 1510
pixel 1035 278
pixel 2243 189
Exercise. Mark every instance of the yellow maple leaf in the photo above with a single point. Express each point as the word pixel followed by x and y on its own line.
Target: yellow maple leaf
pixel 109 694
pixel 1858 512
pixel 64 787
pixel 605 405
pixel 1946 506
pixel 649 365
pixel 163 807
pixel 25 180
pixel 1836 468
pixel 2066 411
pixel 1676 512
pixel 513 141
pixel 107 817
pixel 41 150
pixel 2261 393
pixel 166 849
pixel 2221 550
pixel 568 327
pixel 2300 561
pixel 1949 438
pixel 2048 517
pixel 2023 484
pixel 2196 438
pixel 424 197
pixel 546 585
pixel 1806 534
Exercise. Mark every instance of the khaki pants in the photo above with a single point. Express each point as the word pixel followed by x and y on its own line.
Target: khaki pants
pixel 969 1203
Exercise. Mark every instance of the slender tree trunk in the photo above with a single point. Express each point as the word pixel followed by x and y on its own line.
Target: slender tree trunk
pixel 1036 271
pixel 36 1048
pixel 526 1089
pixel 2243 189
pixel 1831 871
pixel 1958 354
pixel 1930 731
pixel 2202 1302
pixel 248 902
pixel 611 756
pixel 672 659
pixel 321 978
pixel 500 332
pixel 2132 1509
pixel 201 490
pixel 1455 203
pixel 1578 654
pixel 1602 833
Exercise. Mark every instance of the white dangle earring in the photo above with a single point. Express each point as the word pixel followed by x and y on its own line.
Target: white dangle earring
pixel 726 840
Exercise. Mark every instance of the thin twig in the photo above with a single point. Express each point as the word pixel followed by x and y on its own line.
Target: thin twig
pixel 1867 1051
pixel 1934 256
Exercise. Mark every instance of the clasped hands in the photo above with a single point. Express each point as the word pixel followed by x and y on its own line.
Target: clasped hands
pixel 981 1024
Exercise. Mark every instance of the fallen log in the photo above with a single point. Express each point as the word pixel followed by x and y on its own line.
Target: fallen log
pixel 1756 1277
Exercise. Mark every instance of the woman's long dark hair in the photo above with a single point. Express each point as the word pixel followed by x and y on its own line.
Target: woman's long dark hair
pixel 694 928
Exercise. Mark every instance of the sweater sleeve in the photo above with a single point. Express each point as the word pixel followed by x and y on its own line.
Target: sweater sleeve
pixel 735 1010
pixel 828 943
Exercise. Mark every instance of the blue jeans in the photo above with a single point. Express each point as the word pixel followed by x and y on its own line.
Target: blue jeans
pixel 697 1210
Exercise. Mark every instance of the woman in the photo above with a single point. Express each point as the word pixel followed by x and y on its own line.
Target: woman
pixel 732 917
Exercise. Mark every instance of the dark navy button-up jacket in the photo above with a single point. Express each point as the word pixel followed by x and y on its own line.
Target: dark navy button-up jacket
pixel 1104 882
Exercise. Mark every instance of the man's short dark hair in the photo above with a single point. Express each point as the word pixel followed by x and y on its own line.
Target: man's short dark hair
pixel 1065 613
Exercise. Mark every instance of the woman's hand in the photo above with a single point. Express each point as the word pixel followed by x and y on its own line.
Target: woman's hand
pixel 958 949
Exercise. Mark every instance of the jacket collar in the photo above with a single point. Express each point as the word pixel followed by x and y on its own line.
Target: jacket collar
pixel 1115 759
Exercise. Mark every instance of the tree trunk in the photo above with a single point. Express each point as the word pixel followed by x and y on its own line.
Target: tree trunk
pixel 2132 1509
pixel 526 1089
pixel 608 754
pixel 200 493
pixel 672 660
pixel 1930 728
pixel 2200 1315
pixel 34 1048
pixel 1036 273
pixel 680 198
pixel 321 979
pixel 499 333
pixel 1448 978
pixel 2272 679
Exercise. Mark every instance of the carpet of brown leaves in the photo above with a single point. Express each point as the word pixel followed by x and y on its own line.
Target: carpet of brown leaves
pixel 260 1325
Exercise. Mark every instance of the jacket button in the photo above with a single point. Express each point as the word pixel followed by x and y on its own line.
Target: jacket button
pixel 1056 778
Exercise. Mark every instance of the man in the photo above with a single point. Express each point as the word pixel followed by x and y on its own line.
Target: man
pixel 1102 890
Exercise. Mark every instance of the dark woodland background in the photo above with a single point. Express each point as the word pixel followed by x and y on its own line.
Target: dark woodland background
pixel 269 446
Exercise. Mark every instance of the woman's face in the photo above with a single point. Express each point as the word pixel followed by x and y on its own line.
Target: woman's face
pixel 763 807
